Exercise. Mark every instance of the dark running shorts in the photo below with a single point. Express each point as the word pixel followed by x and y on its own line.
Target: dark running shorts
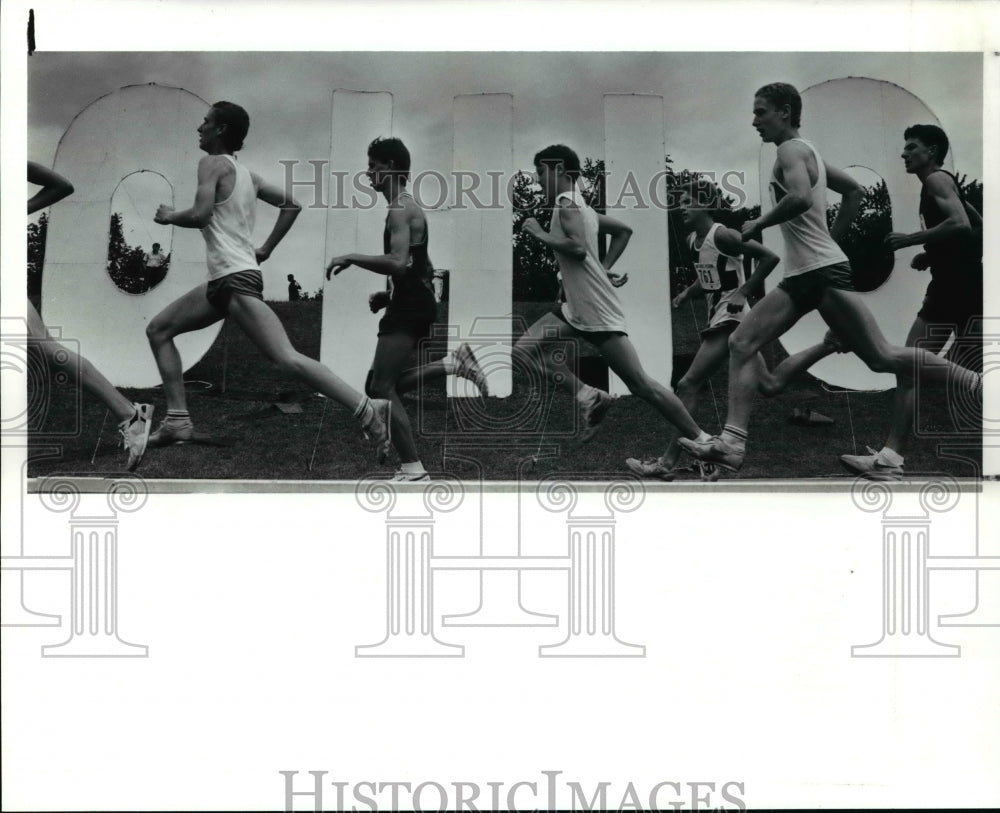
pixel 806 290
pixel 411 315
pixel 951 305
pixel 247 283
pixel 595 337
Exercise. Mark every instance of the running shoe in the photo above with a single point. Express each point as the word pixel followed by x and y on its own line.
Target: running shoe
pixel 379 428
pixel 593 412
pixel 650 467
pixel 469 369
pixel 872 466
pixel 405 477
pixel 135 434
pixel 714 450
pixel 170 433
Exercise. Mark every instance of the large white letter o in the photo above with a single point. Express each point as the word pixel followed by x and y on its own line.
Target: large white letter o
pixel 139 127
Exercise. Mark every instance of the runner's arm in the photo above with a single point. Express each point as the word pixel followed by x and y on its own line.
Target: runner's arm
pixel 289 209
pixel 574 244
pixel 975 219
pixel 392 264
pixel 693 290
pixel 620 235
pixel 210 169
pixel 956 219
pixel 851 196
pixel 729 242
pixel 798 198
pixel 54 187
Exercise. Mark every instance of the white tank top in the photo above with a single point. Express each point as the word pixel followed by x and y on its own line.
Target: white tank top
pixel 808 244
pixel 591 302
pixel 228 235
pixel 720 274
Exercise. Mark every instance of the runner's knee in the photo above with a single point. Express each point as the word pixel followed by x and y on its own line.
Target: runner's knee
pixel 883 360
pixel 741 346
pixel 769 387
pixel 156 331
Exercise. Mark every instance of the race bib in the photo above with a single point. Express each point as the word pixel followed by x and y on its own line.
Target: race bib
pixel 709 276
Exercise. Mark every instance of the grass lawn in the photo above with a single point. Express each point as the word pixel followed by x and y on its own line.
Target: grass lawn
pixel 233 394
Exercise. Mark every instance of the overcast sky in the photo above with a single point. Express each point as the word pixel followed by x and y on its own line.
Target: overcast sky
pixel 557 98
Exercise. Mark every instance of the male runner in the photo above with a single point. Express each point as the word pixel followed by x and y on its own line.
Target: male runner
pixel 134 419
pixel 719 265
pixel 410 306
pixel 954 296
pixel 591 310
pixel 817 276
pixel 224 209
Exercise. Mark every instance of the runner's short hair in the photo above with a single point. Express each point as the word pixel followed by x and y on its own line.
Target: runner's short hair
pixel 780 94
pixel 237 123
pixel 559 154
pixel 704 194
pixel 392 150
pixel 930 135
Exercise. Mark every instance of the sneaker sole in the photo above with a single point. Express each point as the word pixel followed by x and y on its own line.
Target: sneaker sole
pixel 854 469
pixel 873 474
pixel 883 477
pixel 666 476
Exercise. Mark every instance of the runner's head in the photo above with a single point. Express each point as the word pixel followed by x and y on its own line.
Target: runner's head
pixel 557 168
pixel 226 124
pixel 387 158
pixel 924 145
pixel 699 202
pixel 777 108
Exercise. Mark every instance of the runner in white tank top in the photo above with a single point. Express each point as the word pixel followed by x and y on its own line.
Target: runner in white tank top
pixel 808 244
pixel 223 209
pixel 799 173
pixel 591 310
pixel 229 231
pixel 717 256
pixel 591 302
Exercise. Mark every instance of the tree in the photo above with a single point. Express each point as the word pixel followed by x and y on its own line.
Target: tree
pixel 864 243
pixel 36 258
pixel 534 265
pixel 973 192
